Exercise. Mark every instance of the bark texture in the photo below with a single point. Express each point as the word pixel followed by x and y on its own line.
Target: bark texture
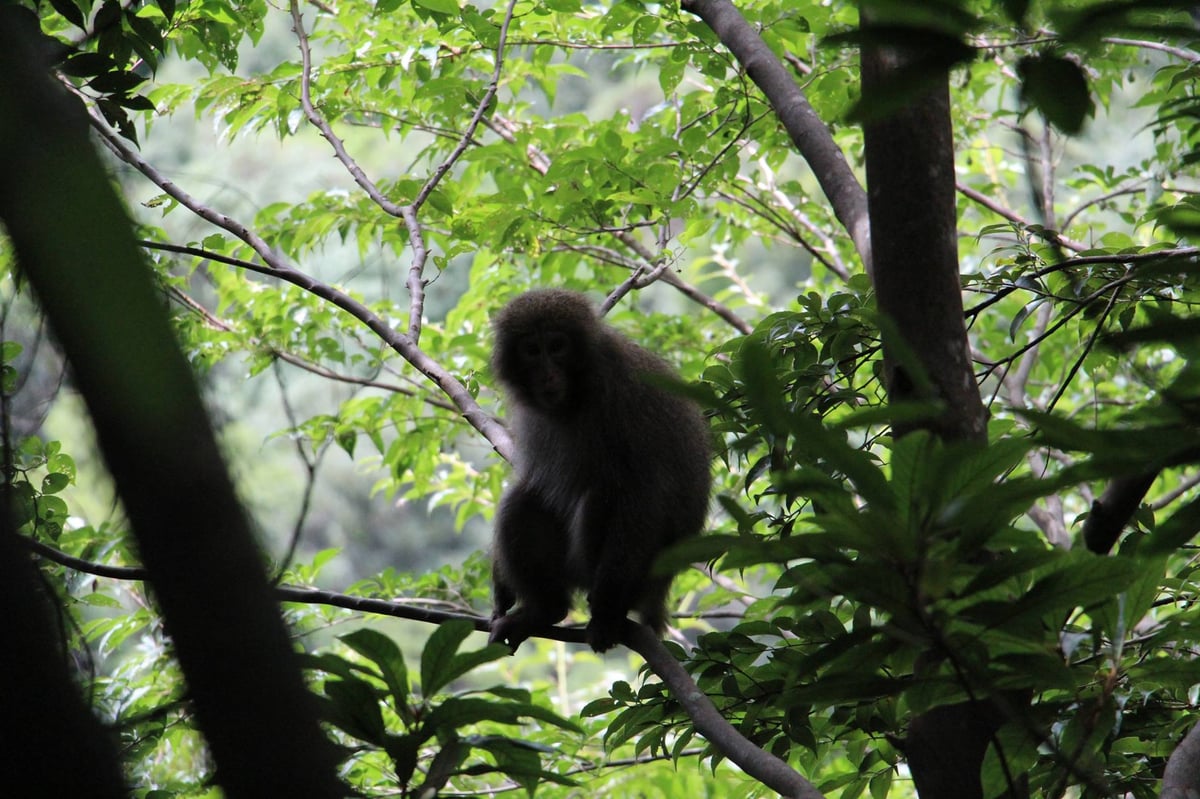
pixel 914 240
pixel 911 196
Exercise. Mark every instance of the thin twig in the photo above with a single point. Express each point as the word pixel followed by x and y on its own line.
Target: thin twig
pixel 1175 493
pixel 1097 331
pixel 689 291
pixel 321 124
pixel 311 464
pixel 1182 53
pixel 639 279
pixel 540 162
pixel 1052 236
pixel 1069 218
pixel 276 267
pixel 1129 259
pixel 485 102
pixel 276 352
pixel 408 213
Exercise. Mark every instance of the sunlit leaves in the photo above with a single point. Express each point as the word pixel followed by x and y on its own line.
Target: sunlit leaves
pixel 871 578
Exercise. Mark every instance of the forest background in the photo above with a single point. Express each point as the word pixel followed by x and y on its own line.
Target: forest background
pixel 951 549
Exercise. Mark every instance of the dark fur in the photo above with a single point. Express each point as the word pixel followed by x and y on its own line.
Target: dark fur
pixel 609 470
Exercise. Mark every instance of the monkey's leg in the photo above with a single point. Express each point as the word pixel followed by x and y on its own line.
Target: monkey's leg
pixel 503 596
pixel 653 604
pixel 528 568
pixel 624 546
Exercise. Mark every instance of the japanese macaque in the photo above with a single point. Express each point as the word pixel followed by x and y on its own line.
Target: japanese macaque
pixel 610 469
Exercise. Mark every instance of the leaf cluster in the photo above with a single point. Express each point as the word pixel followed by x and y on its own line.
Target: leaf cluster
pixel 428 741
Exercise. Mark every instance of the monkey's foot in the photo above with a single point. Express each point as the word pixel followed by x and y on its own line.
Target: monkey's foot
pixel 507 630
pixel 603 634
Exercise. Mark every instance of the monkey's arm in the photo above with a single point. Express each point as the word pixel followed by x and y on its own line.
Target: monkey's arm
pixel 529 567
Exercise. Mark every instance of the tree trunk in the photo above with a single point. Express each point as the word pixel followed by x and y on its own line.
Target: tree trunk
pixel 75 246
pixel 911 199
pixel 914 240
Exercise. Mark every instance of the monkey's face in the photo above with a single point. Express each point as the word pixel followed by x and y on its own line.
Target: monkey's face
pixel 547 347
pixel 546 370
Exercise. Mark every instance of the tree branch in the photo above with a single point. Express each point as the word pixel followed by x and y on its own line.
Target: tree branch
pixel 276 267
pixel 1181 777
pixel 708 721
pixel 808 132
pixel 1113 510
pixel 153 432
pixel 767 768
pixel 539 162
pixel 283 355
pixel 1052 236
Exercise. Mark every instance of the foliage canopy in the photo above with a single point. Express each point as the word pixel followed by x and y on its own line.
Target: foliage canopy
pixel 391 173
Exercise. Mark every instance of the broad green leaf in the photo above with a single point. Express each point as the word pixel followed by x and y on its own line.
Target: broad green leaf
pixel 1079 579
pixel 440 6
pixel 439 653
pixel 1176 531
pixel 354 708
pixel 384 653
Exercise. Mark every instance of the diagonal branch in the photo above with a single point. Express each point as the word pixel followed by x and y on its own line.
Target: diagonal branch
pixel 408 213
pixel 810 135
pixel 1053 236
pixel 276 267
pixel 283 355
pixel 485 103
pixel 708 721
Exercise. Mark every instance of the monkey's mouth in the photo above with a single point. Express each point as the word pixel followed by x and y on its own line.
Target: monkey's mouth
pixel 551 397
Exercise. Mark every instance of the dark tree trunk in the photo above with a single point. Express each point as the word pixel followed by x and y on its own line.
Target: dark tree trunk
pixel 911 199
pixel 914 240
pixel 75 246
pixel 51 743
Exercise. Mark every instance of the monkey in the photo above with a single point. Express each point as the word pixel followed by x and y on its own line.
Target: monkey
pixel 610 468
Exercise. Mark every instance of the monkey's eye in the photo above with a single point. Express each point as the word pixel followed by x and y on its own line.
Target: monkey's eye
pixel 557 343
pixel 529 348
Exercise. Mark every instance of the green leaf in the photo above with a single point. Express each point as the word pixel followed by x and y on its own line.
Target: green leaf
pixel 116 82
pixel 328 663
pixel 69 11
pixel 1058 88
pixel 439 652
pixel 462 663
pixel 404 750
pixel 1080 579
pixel 53 483
pixel 384 653
pixel 1176 531
pixel 441 6
pixel 354 709
pixel 87 65
pixel 1118 616
pixel 520 760
pixel 457 712
pixel 445 763
pixel 699 549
